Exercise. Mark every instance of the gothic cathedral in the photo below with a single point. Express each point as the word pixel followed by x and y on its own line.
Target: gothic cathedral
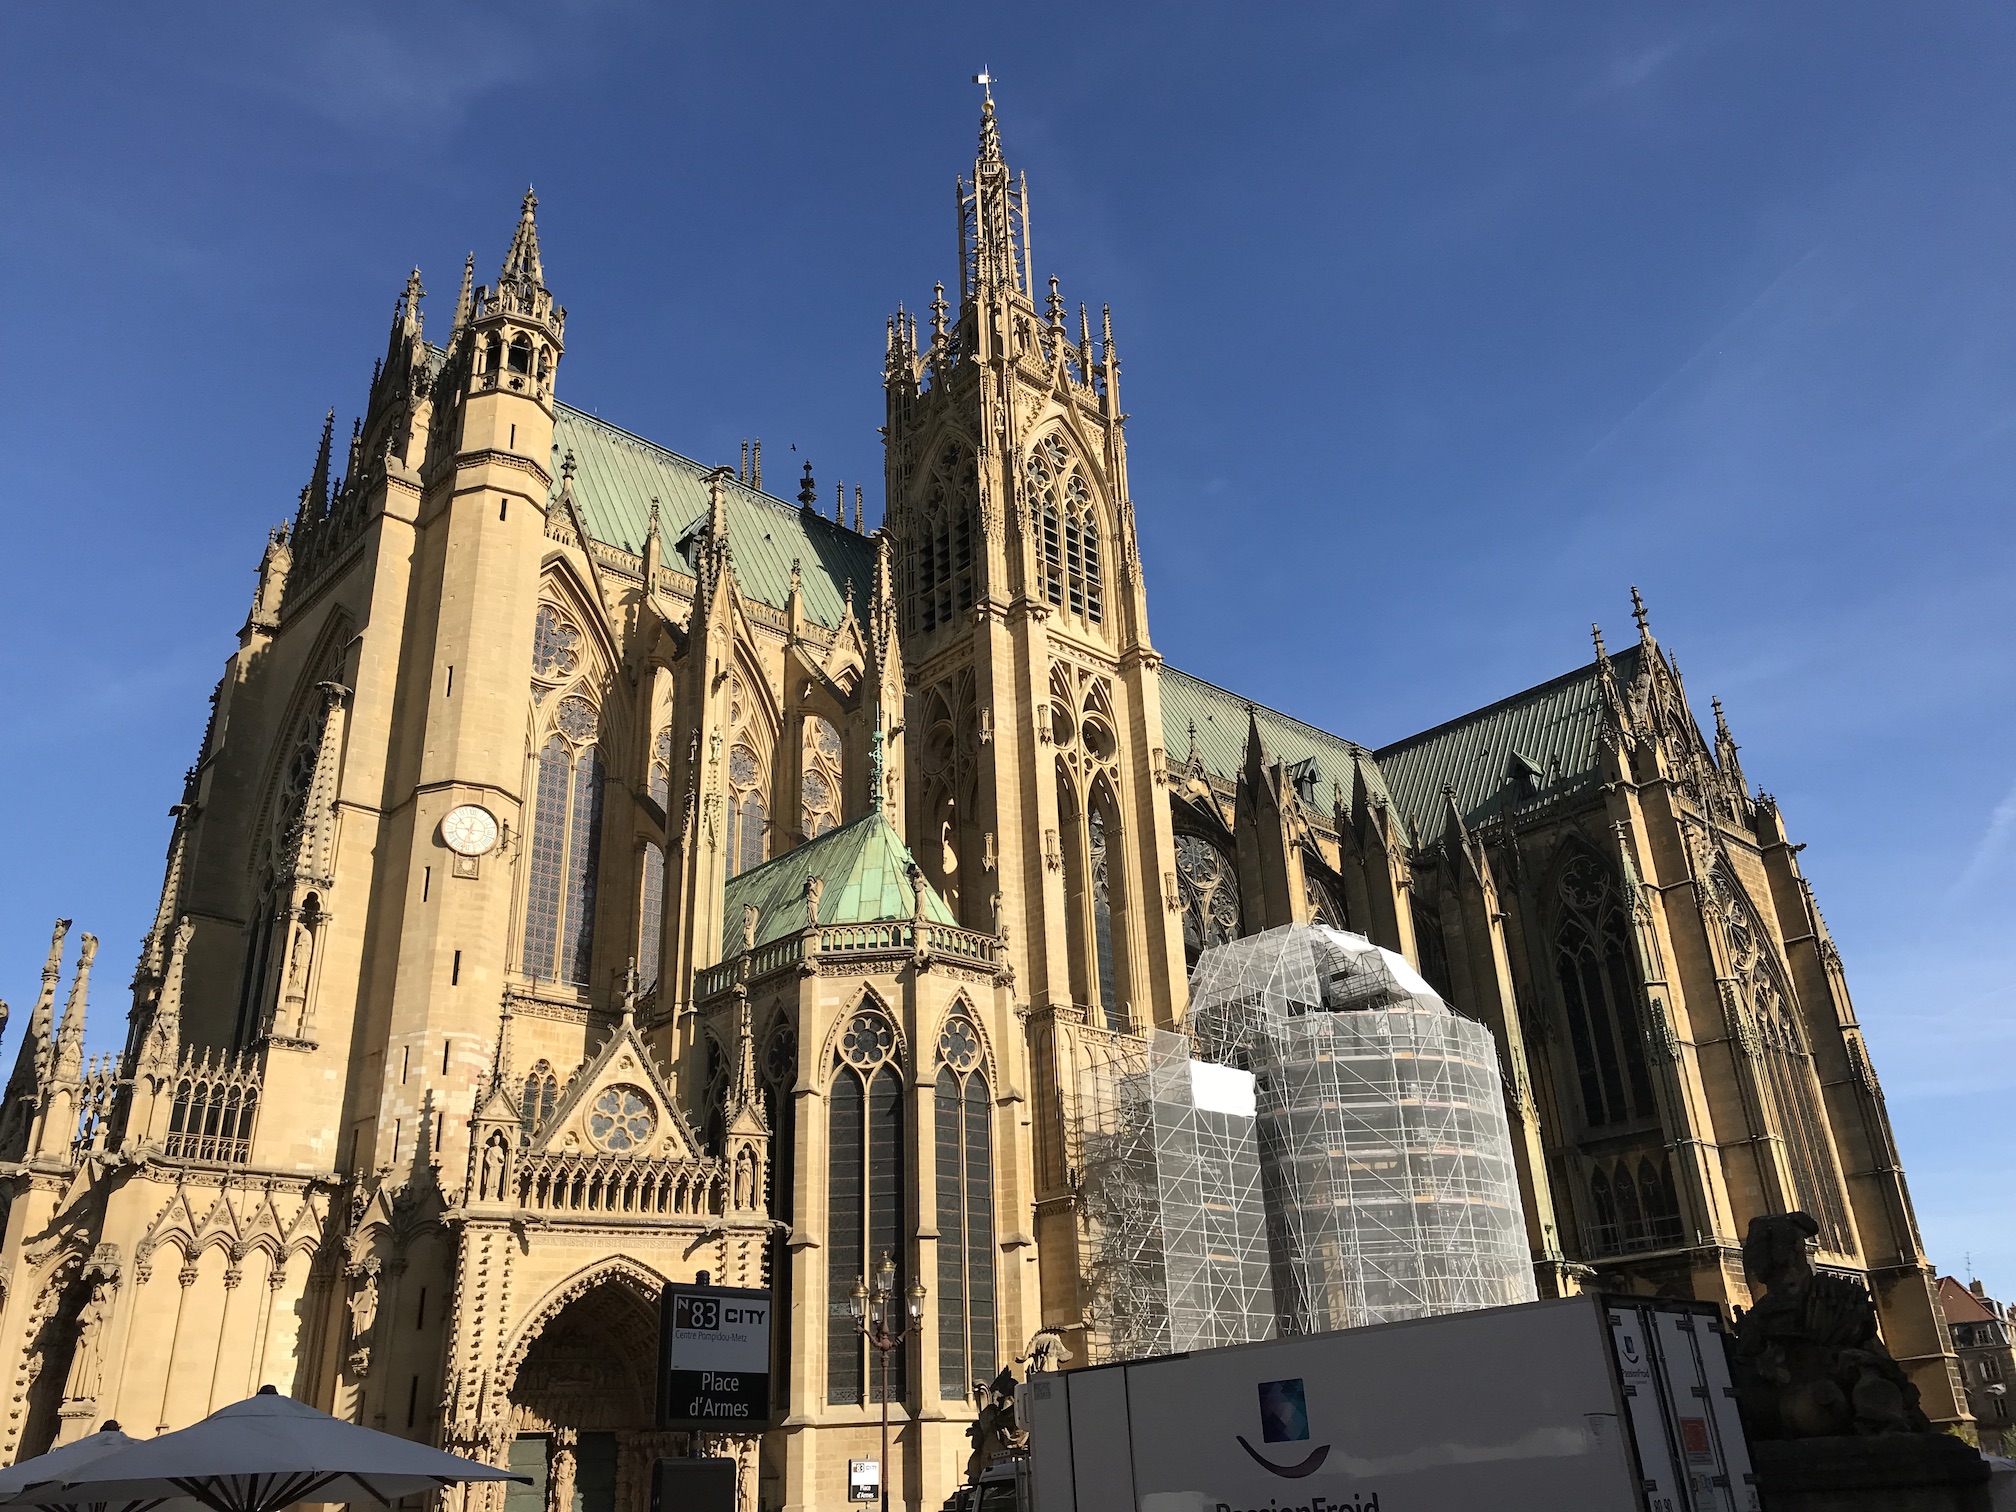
pixel 598 870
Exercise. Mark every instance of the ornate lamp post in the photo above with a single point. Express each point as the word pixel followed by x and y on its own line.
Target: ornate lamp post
pixel 876 1316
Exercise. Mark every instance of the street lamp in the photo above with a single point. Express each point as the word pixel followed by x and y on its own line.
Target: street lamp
pixel 875 1315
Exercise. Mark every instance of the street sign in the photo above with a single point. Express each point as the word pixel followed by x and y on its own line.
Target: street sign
pixel 714 1358
pixel 864 1480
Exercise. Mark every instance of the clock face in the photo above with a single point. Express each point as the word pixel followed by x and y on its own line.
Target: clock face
pixel 469 830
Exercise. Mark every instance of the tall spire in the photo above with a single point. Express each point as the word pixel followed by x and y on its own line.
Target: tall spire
pixel 522 261
pixel 315 497
pixel 407 314
pixel 465 302
pixel 993 216
pixel 808 491
pixel 69 1062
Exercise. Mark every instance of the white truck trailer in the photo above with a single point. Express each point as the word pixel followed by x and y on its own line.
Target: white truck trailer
pixel 1581 1404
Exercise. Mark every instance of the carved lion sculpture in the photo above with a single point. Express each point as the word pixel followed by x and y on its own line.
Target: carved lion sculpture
pixel 1807 1359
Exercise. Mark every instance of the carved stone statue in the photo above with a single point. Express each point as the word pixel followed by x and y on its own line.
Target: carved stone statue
pixel 1807 1361
pixel 750 914
pixel 1046 1351
pixel 493 1167
pixel 745 1180
pixel 87 1359
pixel 364 1308
pixel 995 1432
pixel 814 886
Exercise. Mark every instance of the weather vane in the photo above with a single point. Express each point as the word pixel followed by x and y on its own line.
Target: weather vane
pixel 986 81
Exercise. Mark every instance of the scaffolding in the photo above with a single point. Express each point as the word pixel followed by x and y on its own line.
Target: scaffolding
pixel 1170 1196
pixel 1389 1185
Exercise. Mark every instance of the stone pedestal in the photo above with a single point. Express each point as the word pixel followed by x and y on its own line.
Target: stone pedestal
pixel 1902 1472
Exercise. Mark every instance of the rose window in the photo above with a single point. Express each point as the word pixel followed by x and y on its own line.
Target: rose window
pixel 577 719
pixel 868 1040
pixel 959 1046
pixel 622 1119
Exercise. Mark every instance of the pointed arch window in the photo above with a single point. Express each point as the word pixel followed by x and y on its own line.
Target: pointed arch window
pixel 1069 563
pixel 542 1092
pixel 748 815
pixel 941 559
pixel 650 915
pixel 1599 990
pixel 1102 836
pixel 661 769
pixel 1209 886
pixel 566 848
pixel 819 779
pixel 963 1148
pixel 864 1198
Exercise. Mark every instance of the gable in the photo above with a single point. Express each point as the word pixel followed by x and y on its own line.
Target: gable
pixel 619 1105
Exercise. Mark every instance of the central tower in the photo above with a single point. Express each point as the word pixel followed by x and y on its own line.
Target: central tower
pixel 1034 713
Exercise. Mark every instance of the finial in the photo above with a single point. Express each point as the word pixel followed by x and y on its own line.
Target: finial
pixel 630 993
pixel 938 309
pixel 465 302
pixel 522 260
pixel 1084 325
pixel 1596 634
pixel 756 464
pixel 1638 613
pixel 839 502
pixel 567 466
pixel 808 491
pixel 1056 306
pixel 857 509
pixel 409 299
pixel 797 578
pixel 742 472
pixel 651 528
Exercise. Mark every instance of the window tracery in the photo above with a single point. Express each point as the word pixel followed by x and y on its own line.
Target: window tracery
pixel 1634 1206
pixel 622 1119
pixel 1599 989
pixel 660 781
pixel 542 1091
pixel 556 646
pixel 819 781
pixel 1209 886
pixel 964 1161
pixel 563 856
pixel 748 814
pixel 650 915
pixel 864 1195
pixel 1069 565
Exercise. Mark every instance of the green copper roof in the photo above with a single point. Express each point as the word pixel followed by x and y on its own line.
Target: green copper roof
pixel 1220 720
pixel 866 871
pixel 617 475
pixel 1544 740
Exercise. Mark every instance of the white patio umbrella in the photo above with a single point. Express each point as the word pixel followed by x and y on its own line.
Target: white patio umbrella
pixel 44 1471
pixel 258 1455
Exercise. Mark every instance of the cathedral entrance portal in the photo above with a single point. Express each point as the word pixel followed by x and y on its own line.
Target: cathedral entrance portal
pixel 583 1405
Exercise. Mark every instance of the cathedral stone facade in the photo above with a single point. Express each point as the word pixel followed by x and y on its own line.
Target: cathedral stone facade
pixel 597 871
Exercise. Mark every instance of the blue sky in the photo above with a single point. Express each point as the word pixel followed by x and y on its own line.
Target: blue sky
pixel 1440 327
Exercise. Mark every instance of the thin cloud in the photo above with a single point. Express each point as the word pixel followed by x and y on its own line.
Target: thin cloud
pixel 1991 847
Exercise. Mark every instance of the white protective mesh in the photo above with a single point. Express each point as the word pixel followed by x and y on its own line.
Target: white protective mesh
pixel 1176 1253
pixel 1386 1159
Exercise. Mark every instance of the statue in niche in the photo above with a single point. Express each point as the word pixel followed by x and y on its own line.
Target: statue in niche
pixel 87 1358
pixel 1807 1361
pixel 493 1167
pixel 745 1179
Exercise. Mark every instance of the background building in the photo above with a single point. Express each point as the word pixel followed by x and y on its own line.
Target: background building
pixel 540 923
pixel 1982 1339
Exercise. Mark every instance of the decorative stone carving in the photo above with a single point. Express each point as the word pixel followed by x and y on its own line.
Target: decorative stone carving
pixel 1807 1361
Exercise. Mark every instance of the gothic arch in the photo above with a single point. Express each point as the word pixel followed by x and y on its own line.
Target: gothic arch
pixel 1599 985
pixel 560 582
pixel 325 663
pixel 645 1283
pixel 962 1007
pixel 871 1001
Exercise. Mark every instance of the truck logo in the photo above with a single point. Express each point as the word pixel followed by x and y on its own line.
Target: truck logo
pixel 1284 1419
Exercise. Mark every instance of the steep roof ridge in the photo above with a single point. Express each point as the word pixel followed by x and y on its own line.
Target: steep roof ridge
pixel 1625 661
pixel 864 872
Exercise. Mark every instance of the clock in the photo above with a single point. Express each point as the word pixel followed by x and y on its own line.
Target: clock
pixel 469 830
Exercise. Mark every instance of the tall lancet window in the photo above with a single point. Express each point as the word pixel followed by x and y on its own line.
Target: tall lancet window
pixel 941 556
pixel 1102 835
pixel 1599 989
pixel 748 815
pixel 566 848
pixel 963 1147
pixel 864 1200
pixel 1067 528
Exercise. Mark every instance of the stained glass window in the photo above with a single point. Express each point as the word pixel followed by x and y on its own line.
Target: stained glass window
pixel 651 914
pixel 964 1158
pixel 576 719
pixel 556 645
pixel 542 1091
pixel 584 848
pixel 820 783
pixel 941 557
pixel 864 1199
pixel 547 859
pixel 1102 918
pixel 748 815
pixel 622 1119
pixel 1599 989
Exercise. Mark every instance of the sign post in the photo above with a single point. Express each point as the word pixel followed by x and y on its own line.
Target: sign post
pixel 714 1358
pixel 864 1480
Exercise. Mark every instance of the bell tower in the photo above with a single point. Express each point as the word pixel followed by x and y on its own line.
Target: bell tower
pixel 1034 720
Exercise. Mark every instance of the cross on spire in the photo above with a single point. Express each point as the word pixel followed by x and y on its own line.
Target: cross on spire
pixel 986 81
